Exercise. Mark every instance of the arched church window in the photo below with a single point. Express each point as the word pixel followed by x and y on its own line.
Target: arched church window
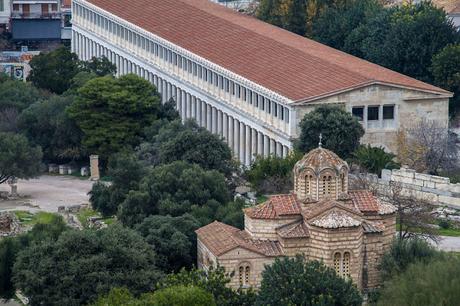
pixel 244 273
pixel 308 179
pixel 342 182
pixel 346 264
pixel 337 263
pixel 247 272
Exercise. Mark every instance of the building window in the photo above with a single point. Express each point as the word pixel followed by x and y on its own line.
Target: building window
pixel 286 115
pixel 2 5
pixel 372 113
pixel 244 273
pixel 308 179
pixel 346 265
pixel 358 112
pixel 388 112
pixel 342 182
pixel 342 264
pixel 337 260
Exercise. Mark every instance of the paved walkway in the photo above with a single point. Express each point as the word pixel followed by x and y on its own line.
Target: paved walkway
pixel 449 244
pixel 48 193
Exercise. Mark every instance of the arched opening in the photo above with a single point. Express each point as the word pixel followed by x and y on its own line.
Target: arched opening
pixel 308 190
pixel 337 260
pixel 244 274
pixel 342 264
pixel 346 265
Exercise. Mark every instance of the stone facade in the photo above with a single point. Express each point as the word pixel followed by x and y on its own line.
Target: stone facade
pixel 347 230
pixel 410 106
pixel 9 224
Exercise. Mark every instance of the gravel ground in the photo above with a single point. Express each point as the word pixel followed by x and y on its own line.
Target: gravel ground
pixel 47 193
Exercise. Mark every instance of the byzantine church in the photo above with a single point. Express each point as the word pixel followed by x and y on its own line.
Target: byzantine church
pixel 320 219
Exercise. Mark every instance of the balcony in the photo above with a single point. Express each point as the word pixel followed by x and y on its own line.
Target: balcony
pixel 24 15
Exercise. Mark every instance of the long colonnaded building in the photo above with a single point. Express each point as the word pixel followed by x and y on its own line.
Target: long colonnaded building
pixel 244 79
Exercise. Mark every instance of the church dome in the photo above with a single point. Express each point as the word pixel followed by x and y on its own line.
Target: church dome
pixel 320 159
pixel 320 174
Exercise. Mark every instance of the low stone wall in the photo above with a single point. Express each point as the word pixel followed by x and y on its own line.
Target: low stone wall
pixel 438 190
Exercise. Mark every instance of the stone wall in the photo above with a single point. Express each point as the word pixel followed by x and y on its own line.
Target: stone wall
pixel 9 224
pixel 436 189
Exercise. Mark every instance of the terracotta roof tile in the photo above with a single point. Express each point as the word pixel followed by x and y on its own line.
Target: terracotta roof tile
pixel 365 200
pixel 220 238
pixel 293 230
pixel 319 159
pixel 293 66
pixel 275 207
pixel 373 227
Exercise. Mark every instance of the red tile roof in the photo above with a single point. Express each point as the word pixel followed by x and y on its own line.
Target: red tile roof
pixel 275 207
pixel 365 201
pixel 297 229
pixel 66 3
pixel 220 238
pixel 291 65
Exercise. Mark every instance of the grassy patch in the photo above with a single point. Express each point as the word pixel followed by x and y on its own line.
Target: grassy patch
pixel 84 214
pixel 453 232
pixel 30 219
pixel 450 232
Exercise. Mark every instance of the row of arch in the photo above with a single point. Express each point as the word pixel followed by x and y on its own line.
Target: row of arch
pixel 326 185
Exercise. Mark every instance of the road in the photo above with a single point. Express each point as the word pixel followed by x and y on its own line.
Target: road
pixel 48 193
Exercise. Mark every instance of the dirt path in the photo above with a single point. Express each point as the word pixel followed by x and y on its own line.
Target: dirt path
pixel 48 193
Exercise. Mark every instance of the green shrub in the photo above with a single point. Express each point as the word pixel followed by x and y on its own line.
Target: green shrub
pixel 374 159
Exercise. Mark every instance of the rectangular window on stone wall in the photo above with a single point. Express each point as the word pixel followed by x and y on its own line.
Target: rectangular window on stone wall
pixel 286 115
pixel 358 112
pixel 388 112
pixel 372 113
pixel 373 117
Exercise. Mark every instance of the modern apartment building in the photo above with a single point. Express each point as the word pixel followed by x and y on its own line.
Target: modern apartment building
pixel 246 80
pixel 36 20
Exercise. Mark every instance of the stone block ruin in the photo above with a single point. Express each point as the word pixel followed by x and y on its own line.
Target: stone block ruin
pixel 9 224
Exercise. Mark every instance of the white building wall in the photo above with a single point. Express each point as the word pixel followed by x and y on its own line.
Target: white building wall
pixel 5 12
pixel 251 119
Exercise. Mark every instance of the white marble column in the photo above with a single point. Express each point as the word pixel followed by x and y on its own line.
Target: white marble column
pixel 279 149
pixel 243 148
pixel 219 123
pixel 272 147
pixel 248 146
pixel 225 126
pixel 214 121
pixel 253 144
pixel 230 132
pixel 188 106
pixel 209 117
pixel 204 111
pixel 183 105
pixel 266 146
pixel 199 112
pixel 260 144
pixel 194 107
pixel 236 138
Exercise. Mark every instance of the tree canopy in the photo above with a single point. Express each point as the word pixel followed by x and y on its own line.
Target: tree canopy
pixel 424 284
pixel 173 239
pixel 46 124
pixel 190 143
pixel 174 189
pixel 18 158
pixel 54 70
pixel 215 281
pixel 404 38
pixel 446 73
pixel 112 112
pixel 80 265
pixel 11 246
pixel 341 132
pixel 295 281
